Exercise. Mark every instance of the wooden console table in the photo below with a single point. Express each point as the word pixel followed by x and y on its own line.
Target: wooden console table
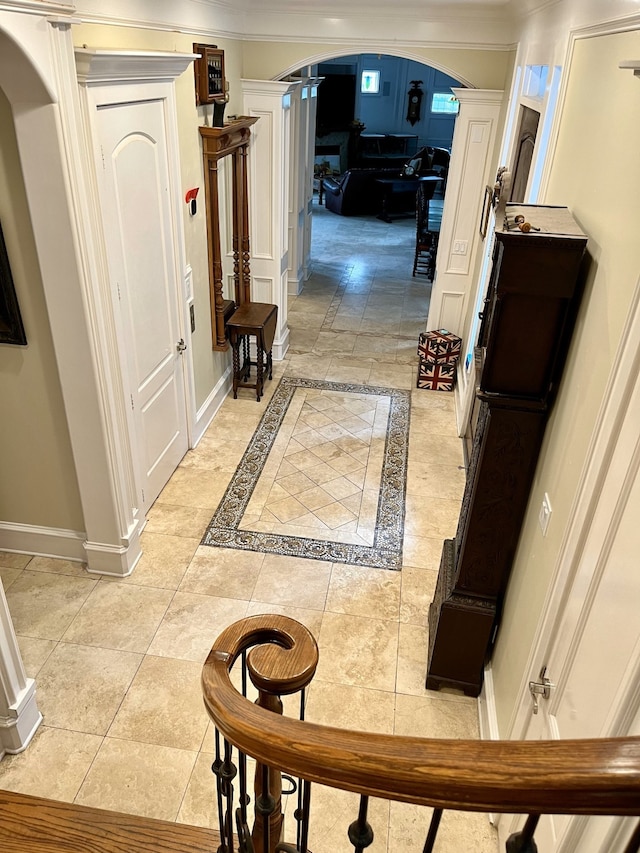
pixel 219 142
pixel 253 319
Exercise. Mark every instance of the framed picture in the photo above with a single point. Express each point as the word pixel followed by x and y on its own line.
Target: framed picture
pixel 487 204
pixel 209 74
pixel 11 328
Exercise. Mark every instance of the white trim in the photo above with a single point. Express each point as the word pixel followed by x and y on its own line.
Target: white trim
pixel 270 155
pixel 623 25
pixel 101 67
pixel 488 719
pixel 42 541
pixel 114 77
pixel 111 560
pixel 209 408
pixel 487 716
pixel 281 345
pixel 16 732
pixel 37 7
pixel 634 64
pixel 19 714
pixel 472 167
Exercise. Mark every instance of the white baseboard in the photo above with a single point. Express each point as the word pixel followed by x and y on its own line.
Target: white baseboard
pixel 42 541
pixel 488 719
pixel 114 560
pixel 295 284
pixel 20 725
pixel 280 347
pixel 207 411
pixel 101 559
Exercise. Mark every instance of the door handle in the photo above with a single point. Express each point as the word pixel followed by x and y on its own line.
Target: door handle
pixel 540 688
pixel 181 346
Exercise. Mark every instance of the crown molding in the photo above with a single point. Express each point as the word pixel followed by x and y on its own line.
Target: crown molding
pixel 37 7
pixel 120 66
pixel 633 64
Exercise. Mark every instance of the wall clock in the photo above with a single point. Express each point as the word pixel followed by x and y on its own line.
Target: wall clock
pixel 415 100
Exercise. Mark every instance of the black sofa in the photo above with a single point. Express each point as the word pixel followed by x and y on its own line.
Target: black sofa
pixel 356 193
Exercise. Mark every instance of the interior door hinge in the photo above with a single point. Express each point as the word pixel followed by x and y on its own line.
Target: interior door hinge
pixel 543 688
pixel 132 406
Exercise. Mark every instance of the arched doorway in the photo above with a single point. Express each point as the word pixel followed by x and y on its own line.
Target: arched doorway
pixel 356 126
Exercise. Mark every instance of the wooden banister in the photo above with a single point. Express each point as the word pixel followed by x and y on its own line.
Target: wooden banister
pixel 35 825
pixel 591 777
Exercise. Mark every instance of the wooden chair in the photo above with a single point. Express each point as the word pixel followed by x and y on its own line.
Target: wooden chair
pixel 424 261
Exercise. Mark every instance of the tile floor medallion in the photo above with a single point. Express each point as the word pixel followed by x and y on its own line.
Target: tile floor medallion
pixel 323 477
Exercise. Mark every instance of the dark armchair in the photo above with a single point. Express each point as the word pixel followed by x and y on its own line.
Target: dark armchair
pixel 357 193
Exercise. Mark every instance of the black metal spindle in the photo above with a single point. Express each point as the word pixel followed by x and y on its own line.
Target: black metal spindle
pixel 301 814
pixel 242 780
pixel 436 817
pixel 244 673
pixel 216 769
pixel 522 842
pixel 265 806
pixel 360 831
pixel 304 822
pixel 227 774
pixel 633 845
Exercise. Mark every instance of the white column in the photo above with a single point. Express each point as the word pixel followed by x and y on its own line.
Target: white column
pixel 309 142
pixel 303 118
pixel 472 167
pixel 270 168
pixel 19 714
pixel 51 143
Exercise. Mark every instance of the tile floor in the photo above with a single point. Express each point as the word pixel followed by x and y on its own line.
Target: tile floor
pixel 117 662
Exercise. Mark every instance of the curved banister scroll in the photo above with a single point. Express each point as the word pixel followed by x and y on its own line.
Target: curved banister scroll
pixel 592 777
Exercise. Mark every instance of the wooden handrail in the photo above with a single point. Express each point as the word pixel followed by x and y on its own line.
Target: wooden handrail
pixel 591 777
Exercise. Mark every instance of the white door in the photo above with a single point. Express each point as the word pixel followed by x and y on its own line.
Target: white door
pixel 592 649
pixel 137 211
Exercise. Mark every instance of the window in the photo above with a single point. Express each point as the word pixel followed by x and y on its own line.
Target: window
pixel 370 82
pixel 535 80
pixel 444 102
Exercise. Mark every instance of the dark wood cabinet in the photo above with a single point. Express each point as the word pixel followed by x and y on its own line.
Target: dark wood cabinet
pixel 528 317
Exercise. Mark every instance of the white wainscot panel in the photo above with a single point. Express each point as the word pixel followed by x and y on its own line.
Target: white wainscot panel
pixel 263 290
pixel 451 310
pixel 262 236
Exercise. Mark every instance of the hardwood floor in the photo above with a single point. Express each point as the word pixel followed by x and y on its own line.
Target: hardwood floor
pixel 35 825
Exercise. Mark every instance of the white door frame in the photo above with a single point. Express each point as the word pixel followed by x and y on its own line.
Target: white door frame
pixel 108 77
pixel 606 436
pixel 611 435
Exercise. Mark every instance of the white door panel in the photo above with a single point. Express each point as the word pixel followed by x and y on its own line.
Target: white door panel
pixel 138 222
pixel 593 654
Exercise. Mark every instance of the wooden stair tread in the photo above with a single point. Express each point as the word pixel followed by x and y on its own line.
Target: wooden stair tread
pixel 35 825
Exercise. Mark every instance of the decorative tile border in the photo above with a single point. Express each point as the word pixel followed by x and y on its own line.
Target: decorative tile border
pixel 386 552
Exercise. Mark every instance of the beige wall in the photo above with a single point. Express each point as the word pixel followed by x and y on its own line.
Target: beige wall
pixel 208 365
pixel 596 173
pixel 255 60
pixel 37 482
pixel 482 69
